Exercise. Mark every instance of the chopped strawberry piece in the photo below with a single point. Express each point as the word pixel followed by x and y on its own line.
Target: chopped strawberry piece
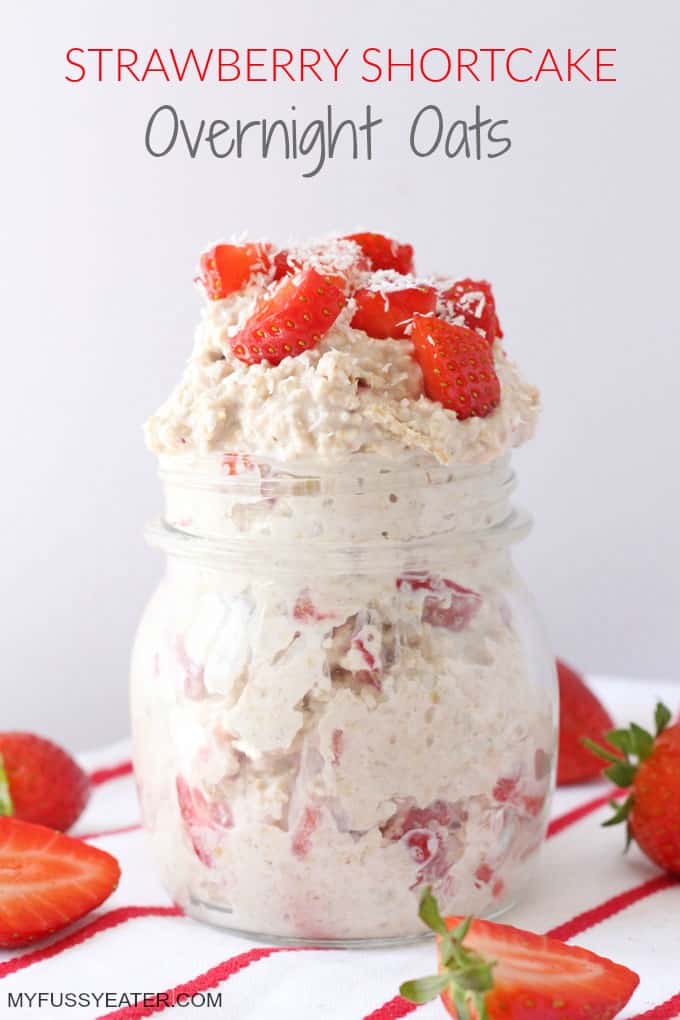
pixel 202 818
pixel 450 605
pixel 43 783
pixel 226 268
pixel 302 835
pixel 389 314
pixel 505 788
pixel 422 844
pixel 473 301
pixel 305 610
pixel 384 253
pixel 498 888
pixel 283 265
pixel 294 319
pixel 429 835
pixel 484 873
pixel 238 463
pixel 458 367
pixel 48 880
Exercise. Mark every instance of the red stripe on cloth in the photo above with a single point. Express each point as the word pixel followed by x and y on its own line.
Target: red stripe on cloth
pixel 665 1011
pixel 589 918
pixel 99 776
pixel 109 920
pixel 121 830
pixel 582 811
pixel 398 1007
pixel 215 976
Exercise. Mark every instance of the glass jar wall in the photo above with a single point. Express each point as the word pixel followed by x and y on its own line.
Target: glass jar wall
pixel 341 693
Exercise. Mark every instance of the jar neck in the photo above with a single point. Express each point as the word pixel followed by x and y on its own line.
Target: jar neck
pixel 366 504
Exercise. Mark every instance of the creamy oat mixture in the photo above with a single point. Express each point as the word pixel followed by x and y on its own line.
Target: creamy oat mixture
pixel 337 697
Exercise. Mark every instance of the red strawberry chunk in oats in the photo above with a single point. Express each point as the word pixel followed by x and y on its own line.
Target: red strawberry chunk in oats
pixel 202 819
pixel 194 686
pixel 429 835
pixel 306 611
pixel 294 319
pixel 227 268
pixel 238 463
pixel 384 253
pixel 473 301
pixel 389 314
pixel 303 832
pixel 449 605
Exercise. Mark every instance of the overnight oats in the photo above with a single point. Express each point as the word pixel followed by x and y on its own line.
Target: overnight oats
pixel 341 692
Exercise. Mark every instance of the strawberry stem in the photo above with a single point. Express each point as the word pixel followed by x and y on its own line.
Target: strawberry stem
pixel 465 974
pixel 6 805
pixel 635 744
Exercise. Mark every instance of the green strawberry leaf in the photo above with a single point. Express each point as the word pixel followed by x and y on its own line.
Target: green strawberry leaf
pixel 429 913
pixel 622 773
pixel 424 989
pixel 621 811
pixel 6 805
pixel 643 742
pixel 621 739
pixel 662 717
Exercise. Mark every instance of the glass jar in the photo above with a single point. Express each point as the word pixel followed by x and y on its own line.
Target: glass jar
pixel 341 693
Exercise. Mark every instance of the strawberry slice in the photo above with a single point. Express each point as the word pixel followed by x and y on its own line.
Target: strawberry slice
pixel 44 783
pixel 384 253
pixel 458 367
pixel 228 267
pixel 294 319
pixel 47 880
pixel 388 315
pixel 499 972
pixel 473 301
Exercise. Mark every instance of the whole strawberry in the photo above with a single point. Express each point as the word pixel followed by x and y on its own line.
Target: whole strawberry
pixel 581 715
pixel 40 782
pixel 651 768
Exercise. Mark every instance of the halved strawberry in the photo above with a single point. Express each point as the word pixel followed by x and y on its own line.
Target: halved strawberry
pixel 294 319
pixel 228 267
pixel 458 368
pixel 47 880
pixel 384 253
pixel 388 314
pixel 474 301
pixel 44 783
pixel 497 972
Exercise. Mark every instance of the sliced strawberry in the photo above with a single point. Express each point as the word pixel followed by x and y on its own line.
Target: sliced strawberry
pixel 503 973
pixel 458 367
pixel 473 301
pixel 228 267
pixel 450 605
pixel 294 319
pixel 388 314
pixel 581 715
pixel 47 880
pixel 384 253
pixel 45 784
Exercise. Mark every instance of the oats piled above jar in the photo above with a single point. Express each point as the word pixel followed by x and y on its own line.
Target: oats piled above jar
pixel 333 348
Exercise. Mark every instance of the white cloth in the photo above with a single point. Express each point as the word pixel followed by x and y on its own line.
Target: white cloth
pixel 582 868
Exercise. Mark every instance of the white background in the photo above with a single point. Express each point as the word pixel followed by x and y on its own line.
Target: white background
pixel 577 227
